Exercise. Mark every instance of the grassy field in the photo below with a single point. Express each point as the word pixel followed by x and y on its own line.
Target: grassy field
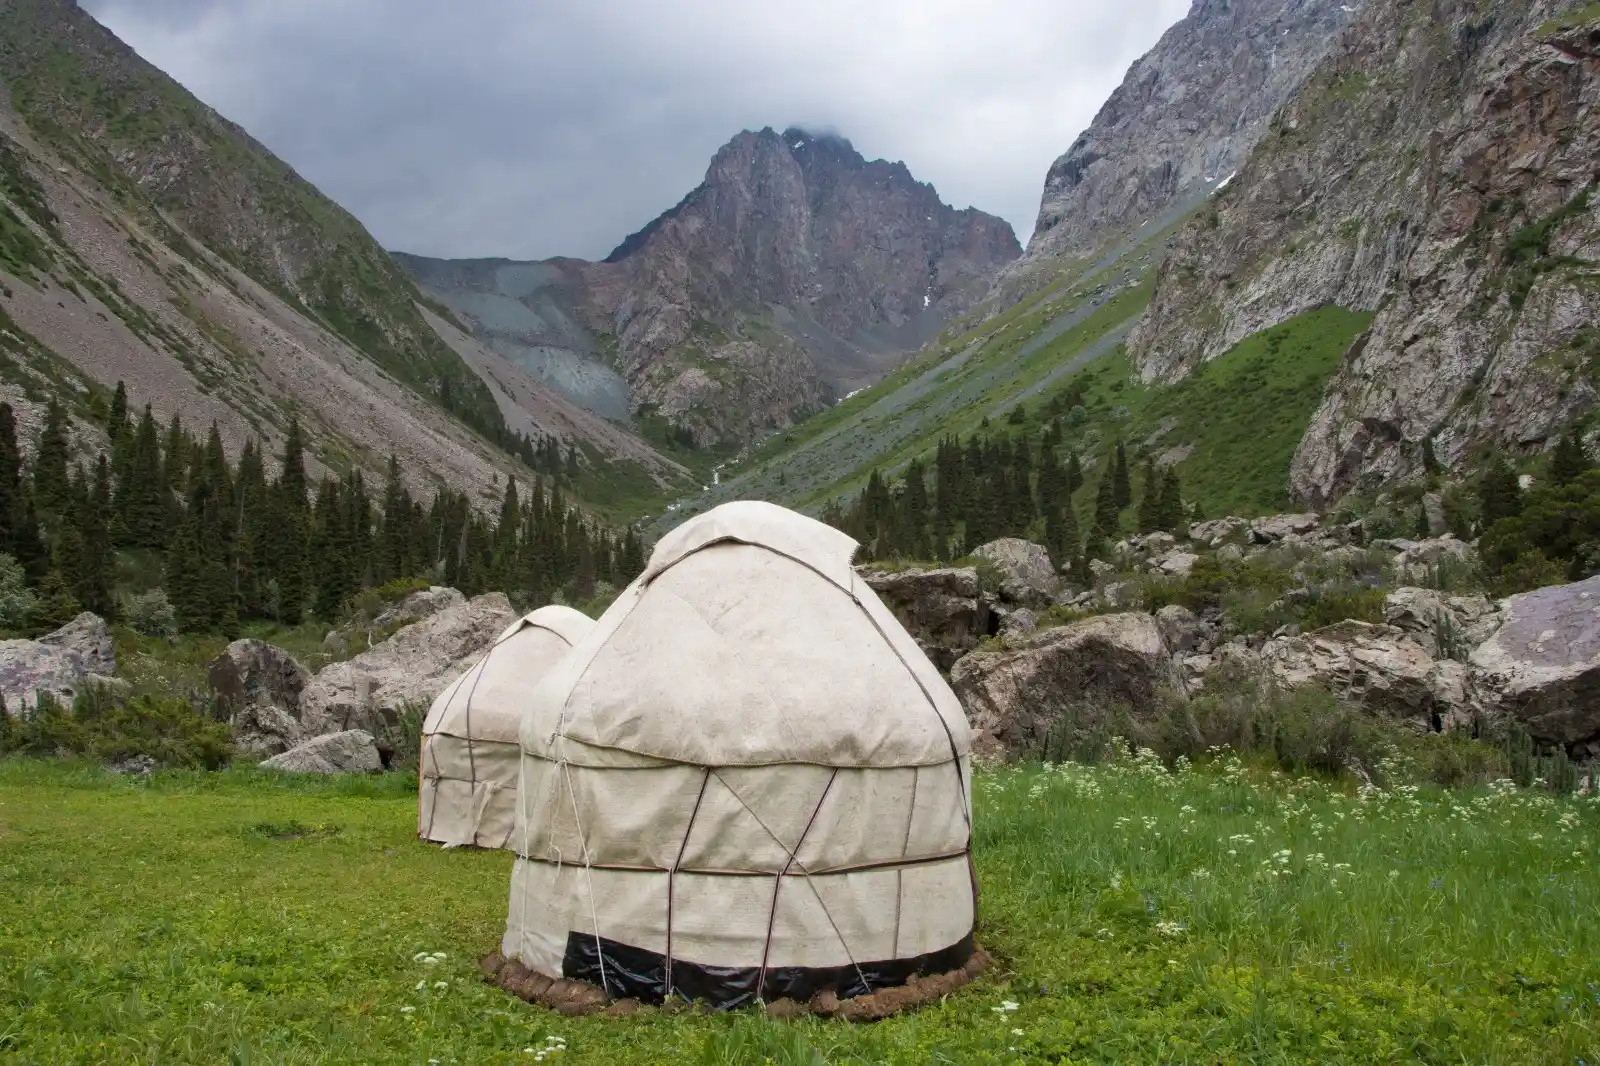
pixel 1211 915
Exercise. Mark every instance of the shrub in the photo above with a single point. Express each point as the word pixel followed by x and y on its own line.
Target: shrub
pixel 17 601
pixel 1330 605
pixel 105 728
pixel 150 614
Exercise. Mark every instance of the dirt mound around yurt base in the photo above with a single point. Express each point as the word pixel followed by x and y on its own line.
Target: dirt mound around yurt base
pixel 575 998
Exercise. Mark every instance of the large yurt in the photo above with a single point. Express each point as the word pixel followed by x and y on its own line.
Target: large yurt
pixel 746 782
pixel 470 753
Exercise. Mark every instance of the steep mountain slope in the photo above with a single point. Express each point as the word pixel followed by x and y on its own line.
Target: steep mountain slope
pixel 144 238
pixel 1437 170
pixel 1184 118
pixel 795 271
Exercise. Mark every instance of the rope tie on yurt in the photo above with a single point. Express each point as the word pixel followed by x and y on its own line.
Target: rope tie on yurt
pixel 777 884
pixel 673 873
pixel 588 872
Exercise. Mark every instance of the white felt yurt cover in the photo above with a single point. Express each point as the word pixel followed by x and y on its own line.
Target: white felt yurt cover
pixel 470 753
pixel 745 782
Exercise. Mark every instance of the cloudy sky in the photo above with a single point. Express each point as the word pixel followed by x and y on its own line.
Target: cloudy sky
pixel 532 128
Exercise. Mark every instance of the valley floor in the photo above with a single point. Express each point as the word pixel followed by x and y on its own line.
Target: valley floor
pixel 1214 914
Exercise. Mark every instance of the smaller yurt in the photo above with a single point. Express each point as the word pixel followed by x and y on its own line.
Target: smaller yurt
pixel 470 753
pixel 746 783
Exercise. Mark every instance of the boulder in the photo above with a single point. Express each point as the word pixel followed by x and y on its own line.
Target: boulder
pixel 1415 557
pixel 1018 623
pixel 372 690
pixel 1077 675
pixel 61 663
pixel 1119 594
pixel 1276 528
pixel 88 638
pixel 1153 543
pixel 943 610
pixel 258 686
pixel 1218 530
pixel 1027 576
pixel 1542 665
pixel 1426 615
pixel 1181 629
pixel 353 751
pixel 1378 668
pixel 423 603
pixel 1099 568
pixel 1230 553
pixel 1177 563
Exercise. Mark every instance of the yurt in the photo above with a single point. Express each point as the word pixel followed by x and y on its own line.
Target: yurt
pixel 745 783
pixel 470 753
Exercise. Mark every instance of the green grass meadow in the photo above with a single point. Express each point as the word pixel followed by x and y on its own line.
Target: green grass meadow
pixel 1205 915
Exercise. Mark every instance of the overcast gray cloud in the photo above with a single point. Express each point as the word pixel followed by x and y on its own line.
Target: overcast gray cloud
pixel 532 128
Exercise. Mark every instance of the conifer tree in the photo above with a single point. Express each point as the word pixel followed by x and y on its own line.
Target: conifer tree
pixel 1149 514
pixel 117 424
pixel 1499 493
pixel 144 504
pixel 50 478
pixel 55 606
pixel 1062 538
pixel 10 481
pixel 1567 461
pixel 291 528
pixel 1074 473
pixel 1106 522
pixel 1122 491
pixel 91 569
pixel 1169 511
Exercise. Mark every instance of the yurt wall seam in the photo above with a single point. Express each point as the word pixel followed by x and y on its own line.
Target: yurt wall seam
pixel 721 871
pixel 777 886
pixel 678 863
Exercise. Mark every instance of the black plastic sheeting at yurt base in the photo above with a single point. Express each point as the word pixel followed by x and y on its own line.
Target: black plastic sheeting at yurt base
pixel 634 973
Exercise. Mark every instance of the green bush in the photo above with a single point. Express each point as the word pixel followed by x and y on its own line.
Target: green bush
pixel 103 727
pixel 150 614
pixel 1554 539
pixel 1330 605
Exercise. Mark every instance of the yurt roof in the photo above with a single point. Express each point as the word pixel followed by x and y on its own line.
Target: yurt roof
pixel 748 640
pixel 488 701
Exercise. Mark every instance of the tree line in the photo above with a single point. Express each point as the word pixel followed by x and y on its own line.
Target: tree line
pixel 996 483
pixel 236 544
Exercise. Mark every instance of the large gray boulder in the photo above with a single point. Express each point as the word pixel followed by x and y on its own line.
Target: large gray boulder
pixel 1027 577
pixel 1378 668
pixel 62 663
pixel 1080 675
pixel 1276 528
pixel 371 690
pixel 1181 628
pixel 353 751
pixel 1542 666
pixel 943 609
pixel 258 686
pixel 424 603
pixel 1218 530
pixel 1447 626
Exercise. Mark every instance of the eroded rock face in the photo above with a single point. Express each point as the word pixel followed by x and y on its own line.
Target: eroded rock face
pixel 259 685
pixel 1543 664
pixel 1278 527
pixel 419 605
pixel 1468 139
pixel 353 751
pixel 1073 674
pixel 1027 576
pixel 61 663
pixel 1181 629
pixel 943 609
pixel 1432 618
pixel 1184 119
pixel 412 667
pixel 1379 669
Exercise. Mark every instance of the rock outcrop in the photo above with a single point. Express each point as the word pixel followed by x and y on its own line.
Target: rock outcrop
pixel 1183 120
pixel 353 751
pixel 1075 675
pixel 372 690
pixel 1027 577
pixel 1543 664
pixel 795 272
pixel 942 609
pixel 1377 668
pixel 61 663
pixel 1446 626
pixel 1440 180
pixel 258 685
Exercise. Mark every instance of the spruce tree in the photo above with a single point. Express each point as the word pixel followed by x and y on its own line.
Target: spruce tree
pixel 92 572
pixel 1062 538
pixel 1169 511
pixel 1567 461
pixel 56 605
pixel 117 424
pixel 1122 490
pixel 144 504
pixel 1106 523
pixel 291 529
pixel 1074 473
pixel 10 481
pixel 1499 493
pixel 1149 514
pixel 50 478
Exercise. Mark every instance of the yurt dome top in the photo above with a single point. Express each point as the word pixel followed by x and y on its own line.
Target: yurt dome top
pixel 749 640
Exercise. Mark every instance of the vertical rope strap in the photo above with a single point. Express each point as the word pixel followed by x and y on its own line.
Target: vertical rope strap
pixel 772 917
pixel 673 873
pixel 588 872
